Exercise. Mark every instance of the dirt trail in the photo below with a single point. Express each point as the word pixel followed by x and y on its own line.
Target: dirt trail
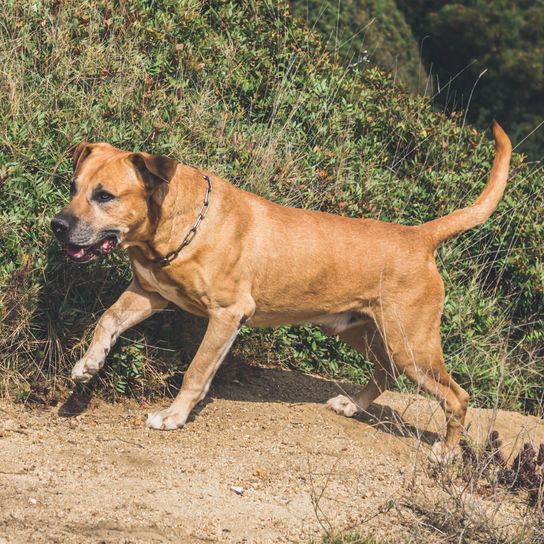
pixel 102 477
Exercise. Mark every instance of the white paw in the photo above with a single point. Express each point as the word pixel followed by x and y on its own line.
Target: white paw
pixel 343 406
pixel 165 420
pixel 442 455
pixel 84 370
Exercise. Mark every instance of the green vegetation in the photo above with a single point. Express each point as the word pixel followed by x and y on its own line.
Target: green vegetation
pixel 250 94
pixel 362 31
pixel 462 38
pixel 484 57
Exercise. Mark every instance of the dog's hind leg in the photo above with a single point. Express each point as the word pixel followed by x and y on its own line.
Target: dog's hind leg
pixel 428 370
pixel 133 306
pixel 413 339
pixel 367 341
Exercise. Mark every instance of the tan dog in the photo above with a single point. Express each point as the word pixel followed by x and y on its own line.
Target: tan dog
pixel 250 261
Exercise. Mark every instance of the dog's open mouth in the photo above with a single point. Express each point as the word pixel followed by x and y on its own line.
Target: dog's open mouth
pixel 86 253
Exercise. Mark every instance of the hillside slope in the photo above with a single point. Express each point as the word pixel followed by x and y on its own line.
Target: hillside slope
pixel 493 55
pixel 362 31
pixel 243 90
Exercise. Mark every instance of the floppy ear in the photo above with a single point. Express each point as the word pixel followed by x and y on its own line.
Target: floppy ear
pixel 154 169
pixel 81 152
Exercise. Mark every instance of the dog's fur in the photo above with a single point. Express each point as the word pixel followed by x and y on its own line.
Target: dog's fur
pixel 253 262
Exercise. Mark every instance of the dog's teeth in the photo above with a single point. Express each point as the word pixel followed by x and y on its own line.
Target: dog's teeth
pixel 75 253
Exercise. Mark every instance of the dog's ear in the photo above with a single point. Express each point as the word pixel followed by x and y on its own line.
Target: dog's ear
pixel 81 152
pixel 154 169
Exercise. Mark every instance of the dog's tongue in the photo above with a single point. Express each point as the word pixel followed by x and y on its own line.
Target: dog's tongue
pixel 86 252
pixel 75 251
pixel 106 245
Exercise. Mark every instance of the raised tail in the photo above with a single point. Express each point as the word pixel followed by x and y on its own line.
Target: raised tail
pixel 444 227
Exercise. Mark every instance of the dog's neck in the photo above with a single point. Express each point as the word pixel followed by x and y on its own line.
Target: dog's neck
pixel 165 230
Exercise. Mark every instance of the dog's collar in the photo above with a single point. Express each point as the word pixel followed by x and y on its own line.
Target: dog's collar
pixel 171 255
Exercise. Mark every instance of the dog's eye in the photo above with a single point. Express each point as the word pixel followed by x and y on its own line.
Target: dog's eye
pixel 103 196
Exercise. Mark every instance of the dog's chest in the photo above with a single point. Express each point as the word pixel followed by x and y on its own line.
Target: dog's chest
pixel 167 289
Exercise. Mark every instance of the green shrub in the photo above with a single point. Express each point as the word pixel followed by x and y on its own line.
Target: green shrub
pixel 245 91
pixel 362 31
pixel 462 39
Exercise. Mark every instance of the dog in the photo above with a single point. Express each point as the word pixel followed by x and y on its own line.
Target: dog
pixel 217 251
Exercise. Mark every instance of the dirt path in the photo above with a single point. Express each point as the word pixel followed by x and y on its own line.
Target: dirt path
pixel 102 477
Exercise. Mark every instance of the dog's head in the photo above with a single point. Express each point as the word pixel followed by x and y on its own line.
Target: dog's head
pixel 110 199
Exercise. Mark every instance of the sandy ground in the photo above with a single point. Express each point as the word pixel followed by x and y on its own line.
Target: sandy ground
pixel 262 461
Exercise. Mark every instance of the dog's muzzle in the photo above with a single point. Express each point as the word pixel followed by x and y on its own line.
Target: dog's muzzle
pixel 61 224
pixel 80 243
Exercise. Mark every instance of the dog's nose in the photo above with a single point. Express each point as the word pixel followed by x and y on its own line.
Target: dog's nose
pixel 59 224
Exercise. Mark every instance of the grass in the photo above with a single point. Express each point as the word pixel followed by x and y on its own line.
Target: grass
pixel 249 93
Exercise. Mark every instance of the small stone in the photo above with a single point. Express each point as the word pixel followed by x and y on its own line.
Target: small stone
pixel 238 490
pixel 33 501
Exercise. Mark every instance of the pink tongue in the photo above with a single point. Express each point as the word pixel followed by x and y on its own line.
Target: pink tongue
pixel 106 245
pixel 75 251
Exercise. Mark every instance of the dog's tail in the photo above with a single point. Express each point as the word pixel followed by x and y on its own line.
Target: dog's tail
pixel 444 227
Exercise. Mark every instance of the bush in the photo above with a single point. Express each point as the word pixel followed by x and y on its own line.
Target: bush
pixel 251 95
pixel 462 39
pixel 362 31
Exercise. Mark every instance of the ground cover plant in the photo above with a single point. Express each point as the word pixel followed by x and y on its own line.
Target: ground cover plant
pixel 245 91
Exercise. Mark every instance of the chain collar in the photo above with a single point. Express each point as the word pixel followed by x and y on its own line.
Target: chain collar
pixel 171 255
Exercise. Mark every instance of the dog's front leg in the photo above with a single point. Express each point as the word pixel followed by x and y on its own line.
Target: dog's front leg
pixel 222 330
pixel 133 306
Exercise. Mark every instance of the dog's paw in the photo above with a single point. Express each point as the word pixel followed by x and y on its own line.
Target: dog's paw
pixel 343 406
pixel 443 455
pixel 165 420
pixel 84 370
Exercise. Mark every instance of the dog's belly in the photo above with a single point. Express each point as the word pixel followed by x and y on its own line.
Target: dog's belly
pixel 333 324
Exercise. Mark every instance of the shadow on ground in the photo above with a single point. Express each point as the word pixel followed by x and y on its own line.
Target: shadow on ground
pixel 239 381
pixel 77 402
